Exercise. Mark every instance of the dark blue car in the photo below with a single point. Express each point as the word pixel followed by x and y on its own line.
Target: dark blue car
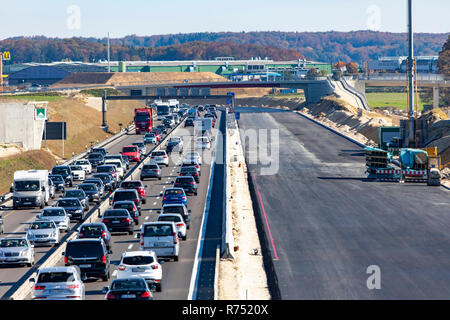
pixel 174 195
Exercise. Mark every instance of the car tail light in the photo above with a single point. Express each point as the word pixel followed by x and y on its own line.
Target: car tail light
pixel 80 235
pixel 125 220
pixel 104 234
pixel 121 268
pixel 72 286
pixel 142 242
pixel 164 198
pixel 191 183
pixel 106 221
pixel 136 200
pixel 165 157
pixel 72 297
pixel 175 238
pixel 180 224
pixel 158 170
pixel 39 287
pixel 110 296
pixel 146 294
pixel 184 197
pixel 196 174
pixel 154 266
pixel 103 258
pixel 66 260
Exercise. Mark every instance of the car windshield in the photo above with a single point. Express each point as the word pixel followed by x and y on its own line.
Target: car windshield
pixel 131 184
pixel 77 168
pixel 9 243
pixel 45 277
pixel 103 177
pixel 84 249
pixel 57 178
pixel 53 213
pixel 128 206
pixel 87 187
pixel 95 156
pixel 105 169
pixel 115 213
pixel 184 180
pixel 73 193
pixel 144 116
pixel 159 230
pixel 42 225
pixel 124 195
pixel 91 230
pixel 138 260
pixel 118 164
pixel 149 135
pixel 82 162
pixel 128 284
pixel 67 203
pixel 188 169
pixel 173 209
pixel 174 192
pixel 60 171
pixel 150 167
pixel 158 153
pixel 27 185
pixel 169 218
pixel 130 149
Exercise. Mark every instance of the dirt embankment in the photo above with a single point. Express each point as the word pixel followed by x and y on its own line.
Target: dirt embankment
pixel 35 159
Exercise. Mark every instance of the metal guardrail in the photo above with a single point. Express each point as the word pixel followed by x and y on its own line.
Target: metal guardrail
pixel 227 226
pixel 402 77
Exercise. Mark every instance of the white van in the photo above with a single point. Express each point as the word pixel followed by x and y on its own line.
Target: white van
pixel 120 167
pixel 30 189
pixel 160 237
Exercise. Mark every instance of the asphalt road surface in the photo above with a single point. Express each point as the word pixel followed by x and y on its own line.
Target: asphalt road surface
pixel 327 225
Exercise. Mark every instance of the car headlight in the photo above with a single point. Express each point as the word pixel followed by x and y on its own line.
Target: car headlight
pixel 78 211
pixel 23 253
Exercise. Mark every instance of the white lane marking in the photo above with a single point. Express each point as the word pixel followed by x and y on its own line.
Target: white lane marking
pixel 158 198
pixel 146 218
pixel 130 246
pixel 154 203
pixel 114 274
pixel 135 235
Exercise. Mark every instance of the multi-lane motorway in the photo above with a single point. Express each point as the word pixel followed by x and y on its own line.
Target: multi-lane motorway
pixel 326 225
pixel 176 275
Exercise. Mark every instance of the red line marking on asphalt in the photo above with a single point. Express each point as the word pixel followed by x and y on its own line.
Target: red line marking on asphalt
pixel 267 224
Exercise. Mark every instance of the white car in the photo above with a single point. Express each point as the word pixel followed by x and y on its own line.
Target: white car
pixel 193 156
pixel 143 264
pixel 178 220
pixel 78 173
pixel 16 250
pixel 58 215
pixel 160 157
pixel 202 143
pixel 58 283
pixel 43 233
pixel 85 164
pixel 119 166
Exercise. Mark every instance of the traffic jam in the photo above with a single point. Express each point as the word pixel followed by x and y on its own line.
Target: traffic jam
pixel 122 255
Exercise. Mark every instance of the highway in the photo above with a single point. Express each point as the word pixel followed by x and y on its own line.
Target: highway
pixel 176 275
pixel 326 224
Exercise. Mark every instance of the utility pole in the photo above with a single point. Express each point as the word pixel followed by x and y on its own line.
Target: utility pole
pixel 109 55
pixel 411 127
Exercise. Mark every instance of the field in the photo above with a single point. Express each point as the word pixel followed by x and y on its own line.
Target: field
pixel 37 97
pixel 389 99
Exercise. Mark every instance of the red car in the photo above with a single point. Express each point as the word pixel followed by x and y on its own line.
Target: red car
pixel 157 135
pixel 136 185
pixel 132 153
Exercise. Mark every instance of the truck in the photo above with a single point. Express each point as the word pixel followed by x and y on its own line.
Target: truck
pixel 162 110
pixel 30 189
pixel 201 125
pixel 143 119
pixel 174 105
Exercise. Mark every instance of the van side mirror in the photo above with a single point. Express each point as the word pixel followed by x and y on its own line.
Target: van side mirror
pixel 189 210
pixel 138 235
pixel 11 189
pixel 63 253
pixel 105 290
pixel 32 280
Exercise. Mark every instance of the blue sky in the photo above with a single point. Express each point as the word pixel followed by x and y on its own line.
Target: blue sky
pixel 63 18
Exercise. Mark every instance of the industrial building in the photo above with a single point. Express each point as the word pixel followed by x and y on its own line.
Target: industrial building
pixel 50 73
pixel 425 64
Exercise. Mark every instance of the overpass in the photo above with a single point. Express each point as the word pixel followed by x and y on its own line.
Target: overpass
pixel 314 89
pixel 435 81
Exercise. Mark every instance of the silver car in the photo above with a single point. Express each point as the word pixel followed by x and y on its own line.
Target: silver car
pixel 58 283
pixel 43 233
pixel 16 251
pixel 58 215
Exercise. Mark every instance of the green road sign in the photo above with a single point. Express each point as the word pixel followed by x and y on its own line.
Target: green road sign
pixel 40 114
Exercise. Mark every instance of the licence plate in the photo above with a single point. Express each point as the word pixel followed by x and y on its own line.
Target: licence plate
pixel 25 203
pixel 11 259
pixel 128 296
pixel 138 269
pixel 85 265
pixel 160 244
pixel 116 222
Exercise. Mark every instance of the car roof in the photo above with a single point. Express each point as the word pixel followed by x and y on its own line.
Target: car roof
pixel 58 269
pixel 124 201
pixel 96 240
pixel 137 253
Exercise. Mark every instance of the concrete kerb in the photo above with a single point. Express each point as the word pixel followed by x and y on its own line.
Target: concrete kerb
pixel 95 214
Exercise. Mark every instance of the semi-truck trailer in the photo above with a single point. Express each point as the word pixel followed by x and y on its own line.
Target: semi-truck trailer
pixel 143 119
